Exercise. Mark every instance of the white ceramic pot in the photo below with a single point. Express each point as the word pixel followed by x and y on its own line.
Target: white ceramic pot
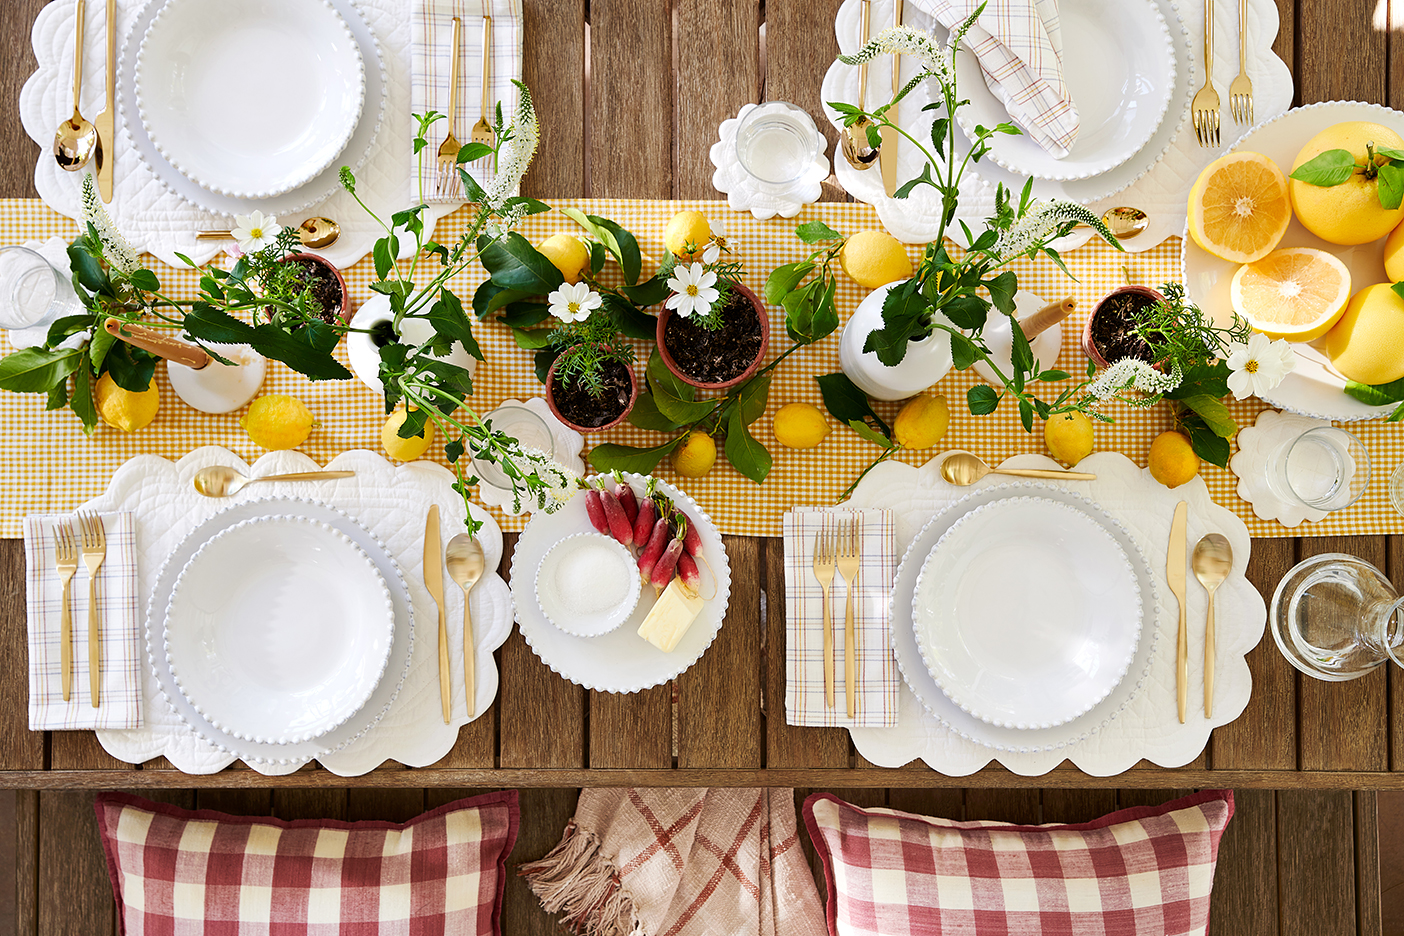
pixel 365 354
pixel 926 362
pixel 216 387
pixel 999 338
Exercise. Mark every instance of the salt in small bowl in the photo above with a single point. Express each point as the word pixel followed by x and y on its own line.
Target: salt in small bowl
pixel 587 584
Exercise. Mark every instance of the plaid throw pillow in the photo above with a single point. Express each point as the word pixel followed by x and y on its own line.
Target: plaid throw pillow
pixel 177 872
pixel 1136 871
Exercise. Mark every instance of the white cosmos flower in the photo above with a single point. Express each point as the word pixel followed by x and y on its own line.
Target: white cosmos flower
pixel 574 302
pixel 1259 365
pixel 254 232
pixel 720 243
pixel 692 290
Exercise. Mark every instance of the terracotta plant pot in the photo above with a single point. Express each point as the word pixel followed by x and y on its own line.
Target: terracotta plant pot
pixel 1104 309
pixel 762 316
pixel 551 402
pixel 342 312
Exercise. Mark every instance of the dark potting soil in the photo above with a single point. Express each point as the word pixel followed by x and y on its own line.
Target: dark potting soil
pixel 1114 329
pixel 716 356
pixel 577 405
pixel 317 279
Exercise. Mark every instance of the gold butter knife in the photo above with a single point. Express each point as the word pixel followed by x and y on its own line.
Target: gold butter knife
pixel 887 154
pixel 434 581
pixel 1175 562
pixel 106 155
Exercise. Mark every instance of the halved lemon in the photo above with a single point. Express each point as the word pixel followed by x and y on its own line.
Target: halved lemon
pixel 1296 293
pixel 1239 208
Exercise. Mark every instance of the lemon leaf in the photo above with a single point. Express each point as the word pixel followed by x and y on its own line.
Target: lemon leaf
pixel 1331 168
pixel 846 402
pixel 646 415
pixel 745 454
pixel 1390 185
pixel 982 399
pixel 816 232
pixel 869 433
pixel 614 457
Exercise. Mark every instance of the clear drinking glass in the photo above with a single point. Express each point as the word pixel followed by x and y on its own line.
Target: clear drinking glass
pixel 32 292
pixel 1326 468
pixel 1336 617
pixel 776 142
pixel 522 424
pixel 1396 489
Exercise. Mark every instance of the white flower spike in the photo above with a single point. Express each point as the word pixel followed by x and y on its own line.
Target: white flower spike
pixel 693 290
pixel 574 302
pixel 254 231
pixel 1259 366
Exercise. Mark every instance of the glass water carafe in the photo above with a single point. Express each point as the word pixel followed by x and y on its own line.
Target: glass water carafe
pixel 1337 617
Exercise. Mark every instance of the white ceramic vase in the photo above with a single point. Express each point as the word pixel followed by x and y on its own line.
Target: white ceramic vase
pixel 365 353
pixel 216 387
pixel 926 362
pixel 999 338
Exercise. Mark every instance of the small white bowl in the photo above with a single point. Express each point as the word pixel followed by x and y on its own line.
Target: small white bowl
pixel 577 588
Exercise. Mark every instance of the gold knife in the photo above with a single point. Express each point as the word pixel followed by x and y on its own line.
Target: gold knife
pixel 887 155
pixel 1175 575
pixel 106 155
pixel 434 581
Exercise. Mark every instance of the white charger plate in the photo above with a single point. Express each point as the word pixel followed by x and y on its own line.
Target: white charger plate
pixel 249 98
pixel 278 629
pixel 1120 67
pixel 318 189
pixel 1314 388
pixel 401 650
pixel 1027 612
pixel 925 688
pixel 621 660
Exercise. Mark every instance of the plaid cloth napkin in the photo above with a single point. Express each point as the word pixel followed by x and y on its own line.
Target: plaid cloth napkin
pixel 1019 44
pixel 120 620
pixel 878 679
pixel 430 66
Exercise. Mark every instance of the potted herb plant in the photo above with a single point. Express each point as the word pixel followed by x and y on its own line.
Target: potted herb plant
pixel 1111 332
pixel 590 385
pixel 277 269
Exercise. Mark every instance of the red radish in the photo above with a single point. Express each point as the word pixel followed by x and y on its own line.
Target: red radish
pixel 643 523
pixel 688 572
pixel 627 499
pixel 657 541
pixel 667 564
pixel 619 525
pixel 595 508
pixel 692 539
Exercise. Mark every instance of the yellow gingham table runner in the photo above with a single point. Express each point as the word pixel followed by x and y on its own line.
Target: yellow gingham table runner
pixel 49 465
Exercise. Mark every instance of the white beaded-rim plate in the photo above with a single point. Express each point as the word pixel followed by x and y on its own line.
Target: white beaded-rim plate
pixel 1027 613
pixel 1314 388
pixel 250 99
pixel 278 629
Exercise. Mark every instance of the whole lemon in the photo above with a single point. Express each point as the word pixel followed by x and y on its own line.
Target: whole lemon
pixel 874 258
pixel 123 409
pixel 922 422
pixel 1172 461
pixel 1367 343
pixel 1349 213
pixel 695 456
pixel 277 421
pixel 800 425
pixel 1069 437
pixel 402 449
pixel 567 254
pixel 1394 254
pixel 687 233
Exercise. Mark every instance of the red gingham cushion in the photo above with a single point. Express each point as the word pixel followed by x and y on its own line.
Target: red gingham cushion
pixel 178 872
pixel 1137 871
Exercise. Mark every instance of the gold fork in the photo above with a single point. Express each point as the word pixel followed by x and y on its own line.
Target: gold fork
pixel 66 562
pixel 94 543
pixel 1241 91
pixel 848 561
pixel 446 182
pixel 482 130
pixel 824 573
pixel 1206 102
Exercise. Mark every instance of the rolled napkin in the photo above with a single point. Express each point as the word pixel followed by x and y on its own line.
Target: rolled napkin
pixel 1019 44
pixel 119 699
pixel 431 65
pixel 878 680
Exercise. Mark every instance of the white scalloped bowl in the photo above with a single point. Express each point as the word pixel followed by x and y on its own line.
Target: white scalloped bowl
pixel 250 99
pixel 1027 613
pixel 587 584
pixel 279 629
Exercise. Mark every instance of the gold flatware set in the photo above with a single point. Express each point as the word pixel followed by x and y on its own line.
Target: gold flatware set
pixel 466 565
pixel 1206 105
pixel 838 547
pixel 447 180
pixel 89 543
pixel 78 140
pixel 1212 561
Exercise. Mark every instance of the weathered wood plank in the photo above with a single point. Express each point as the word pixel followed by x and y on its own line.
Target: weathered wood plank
pixel 74 891
pixel 553 67
pixel 945 804
pixel 17 167
pixel 631 99
pixel 236 802
pixel 27 863
pixel 80 750
pixel 384 805
pixel 1073 806
pixel 799 48
pixel 20 748
pixel 1394 551
pixel 544 817
pixel 329 803
pixel 1316 863
pixel 1021 806
pixel 1368 918
pixel 710 33
pixel 1323 72
pixel 634 730
pixel 1244 902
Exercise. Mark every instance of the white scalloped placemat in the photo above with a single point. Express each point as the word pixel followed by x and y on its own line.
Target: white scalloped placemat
pixel 1148 727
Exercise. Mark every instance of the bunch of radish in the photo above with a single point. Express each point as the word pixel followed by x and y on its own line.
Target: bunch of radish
pixel 667 540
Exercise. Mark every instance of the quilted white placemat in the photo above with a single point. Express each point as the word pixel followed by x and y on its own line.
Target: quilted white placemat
pixel 389 501
pixel 1149 726
pixel 160 222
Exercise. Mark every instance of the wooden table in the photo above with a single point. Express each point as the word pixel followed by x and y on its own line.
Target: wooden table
pixel 630 93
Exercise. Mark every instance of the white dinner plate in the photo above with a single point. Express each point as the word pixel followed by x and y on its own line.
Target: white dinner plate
pixel 1119 65
pixel 621 660
pixel 925 688
pixel 1027 612
pixel 249 99
pixel 1314 388
pixel 401 651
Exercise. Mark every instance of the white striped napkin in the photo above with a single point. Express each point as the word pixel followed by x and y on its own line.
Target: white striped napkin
pixel 878 679
pixel 1019 44
pixel 430 66
pixel 120 621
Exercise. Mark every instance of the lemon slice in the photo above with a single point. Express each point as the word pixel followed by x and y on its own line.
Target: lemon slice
pixel 1296 293
pixel 1239 208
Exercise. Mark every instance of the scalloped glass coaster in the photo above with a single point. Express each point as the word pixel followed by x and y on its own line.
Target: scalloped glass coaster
pixel 801 183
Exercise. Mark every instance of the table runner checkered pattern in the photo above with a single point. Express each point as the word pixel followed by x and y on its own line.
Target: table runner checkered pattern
pixel 50 465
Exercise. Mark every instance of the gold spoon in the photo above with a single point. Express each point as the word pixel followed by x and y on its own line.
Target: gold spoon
pixel 855 138
pixel 315 233
pixel 1124 222
pixel 76 137
pixel 465 566
pixel 223 481
pixel 963 468
pixel 1212 560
